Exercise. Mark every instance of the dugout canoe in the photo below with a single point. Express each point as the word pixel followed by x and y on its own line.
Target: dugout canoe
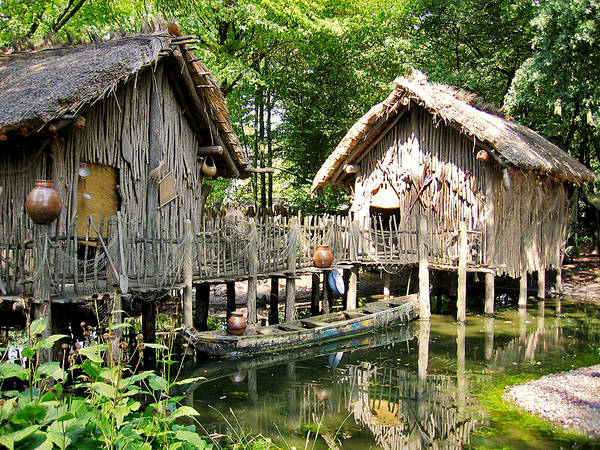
pixel 300 333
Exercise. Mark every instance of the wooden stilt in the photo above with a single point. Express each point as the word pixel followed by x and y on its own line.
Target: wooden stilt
pixel 523 289
pixel 490 294
pixel 461 381
pixel 274 301
pixel 541 291
pixel 346 278
pixel 461 314
pixel 352 294
pixel 230 298
pixel 42 308
pixel 424 300
pixel 188 317
pixel 202 305
pixel 149 332
pixel 290 280
pixel 559 280
pixel 327 294
pixel 423 362
pixel 315 294
pixel 252 281
pixel 387 279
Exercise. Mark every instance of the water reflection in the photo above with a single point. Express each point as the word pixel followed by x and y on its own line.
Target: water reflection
pixel 408 388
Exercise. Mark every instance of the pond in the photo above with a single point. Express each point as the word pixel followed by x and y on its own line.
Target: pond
pixel 432 384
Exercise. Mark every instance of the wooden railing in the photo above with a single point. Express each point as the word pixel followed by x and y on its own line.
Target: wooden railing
pixel 120 252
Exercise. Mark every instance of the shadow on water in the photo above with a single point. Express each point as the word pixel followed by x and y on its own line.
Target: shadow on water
pixel 408 387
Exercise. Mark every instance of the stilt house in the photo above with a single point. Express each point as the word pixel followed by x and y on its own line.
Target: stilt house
pixel 122 125
pixel 428 150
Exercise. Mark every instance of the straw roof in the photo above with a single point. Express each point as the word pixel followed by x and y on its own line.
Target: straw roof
pixel 510 143
pixel 39 87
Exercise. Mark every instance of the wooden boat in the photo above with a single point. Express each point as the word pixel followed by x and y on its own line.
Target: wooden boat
pixel 306 332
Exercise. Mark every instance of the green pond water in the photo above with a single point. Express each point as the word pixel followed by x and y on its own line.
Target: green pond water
pixel 433 384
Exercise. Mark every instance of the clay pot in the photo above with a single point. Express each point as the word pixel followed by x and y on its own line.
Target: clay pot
pixel 209 169
pixel 321 392
pixel 43 204
pixel 323 256
pixel 236 324
pixel 238 377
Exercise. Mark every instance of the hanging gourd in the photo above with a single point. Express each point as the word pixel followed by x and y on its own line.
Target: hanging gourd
pixel 209 168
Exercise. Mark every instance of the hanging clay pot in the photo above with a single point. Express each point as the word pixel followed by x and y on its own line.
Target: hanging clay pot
pixel 323 256
pixel 209 169
pixel 43 204
pixel 236 323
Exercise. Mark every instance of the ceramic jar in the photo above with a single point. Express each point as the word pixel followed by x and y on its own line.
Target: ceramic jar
pixel 323 256
pixel 209 168
pixel 236 324
pixel 43 204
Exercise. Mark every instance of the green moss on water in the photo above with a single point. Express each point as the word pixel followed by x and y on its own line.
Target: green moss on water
pixel 510 426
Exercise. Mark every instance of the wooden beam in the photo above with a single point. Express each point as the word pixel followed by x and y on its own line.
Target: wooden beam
pixel 315 294
pixel 188 274
pixel 210 150
pixel 230 286
pixel 352 295
pixel 250 169
pixel 541 292
pixel 274 301
pixel 149 332
pixel 489 294
pixel 523 289
pixel 424 299
pixel 202 305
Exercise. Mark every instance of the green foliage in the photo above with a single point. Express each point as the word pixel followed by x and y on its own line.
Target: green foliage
pixel 96 403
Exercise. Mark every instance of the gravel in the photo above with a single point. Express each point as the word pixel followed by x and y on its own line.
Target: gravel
pixel 569 399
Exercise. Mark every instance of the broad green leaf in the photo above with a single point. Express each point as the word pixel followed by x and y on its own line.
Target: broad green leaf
pixel 190 437
pixel 9 370
pixel 91 368
pixel 188 380
pixel 93 352
pixel 158 383
pixel 28 414
pixel 104 389
pixel 51 369
pixel 28 352
pixel 49 341
pixel 184 411
pixel 37 326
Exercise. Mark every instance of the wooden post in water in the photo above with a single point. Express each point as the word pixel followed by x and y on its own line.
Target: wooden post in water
pixel 315 294
pixel 541 291
pixel 488 345
pixel 424 300
pixel 274 301
pixel 42 307
pixel 558 285
pixel 523 289
pixel 290 279
pixel 230 285
pixel 327 294
pixel 149 332
pixel 387 280
pixel 352 294
pixel 252 278
pixel 202 305
pixel 461 314
pixel 188 275
pixel 490 294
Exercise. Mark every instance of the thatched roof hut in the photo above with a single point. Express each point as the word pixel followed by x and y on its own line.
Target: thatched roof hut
pixel 509 142
pixel 41 87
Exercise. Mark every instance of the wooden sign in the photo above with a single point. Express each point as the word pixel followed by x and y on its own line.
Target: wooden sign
pixel 166 190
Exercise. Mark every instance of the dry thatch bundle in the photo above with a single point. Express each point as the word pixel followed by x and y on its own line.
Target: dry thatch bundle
pixel 509 143
pixel 42 86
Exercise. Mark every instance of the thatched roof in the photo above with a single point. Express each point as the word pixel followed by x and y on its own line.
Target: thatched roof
pixel 509 142
pixel 39 87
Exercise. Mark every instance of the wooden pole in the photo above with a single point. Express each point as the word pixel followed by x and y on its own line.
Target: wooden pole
pixel 423 362
pixel 490 294
pixel 155 136
pixel 41 288
pixel 290 280
pixel 327 294
pixel 202 306
pixel 188 317
pixel 541 292
pixel 461 305
pixel 387 279
pixel 523 289
pixel 488 344
pixel 149 332
pixel 252 279
pixel 230 298
pixel 424 300
pixel 315 294
pixel 352 295
pixel 274 301
pixel 559 280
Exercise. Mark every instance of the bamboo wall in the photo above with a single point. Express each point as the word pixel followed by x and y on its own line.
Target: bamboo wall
pixel 435 173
